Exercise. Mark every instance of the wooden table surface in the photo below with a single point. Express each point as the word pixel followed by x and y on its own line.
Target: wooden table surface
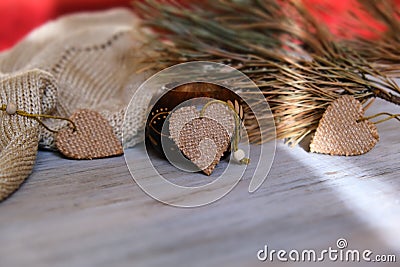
pixel 91 213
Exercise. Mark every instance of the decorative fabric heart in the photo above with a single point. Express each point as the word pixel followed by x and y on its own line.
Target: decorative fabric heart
pixel 341 133
pixel 93 137
pixel 204 139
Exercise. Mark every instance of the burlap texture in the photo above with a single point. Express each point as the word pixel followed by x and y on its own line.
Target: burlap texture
pixel 340 133
pixel 89 61
pixel 223 115
pixel 204 141
pixel 92 138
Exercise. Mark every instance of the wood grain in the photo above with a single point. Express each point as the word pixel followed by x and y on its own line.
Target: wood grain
pixel 91 213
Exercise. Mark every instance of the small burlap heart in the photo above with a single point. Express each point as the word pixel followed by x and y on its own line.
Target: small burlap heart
pixel 341 133
pixel 93 137
pixel 204 141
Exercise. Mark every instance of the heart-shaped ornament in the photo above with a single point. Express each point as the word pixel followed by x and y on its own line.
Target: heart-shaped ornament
pixel 93 137
pixel 341 132
pixel 203 139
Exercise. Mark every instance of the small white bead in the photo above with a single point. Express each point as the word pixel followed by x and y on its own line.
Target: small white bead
pixel 239 155
pixel 11 109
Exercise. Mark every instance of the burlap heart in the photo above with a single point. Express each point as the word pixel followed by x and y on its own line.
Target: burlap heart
pixel 341 133
pixel 204 139
pixel 93 137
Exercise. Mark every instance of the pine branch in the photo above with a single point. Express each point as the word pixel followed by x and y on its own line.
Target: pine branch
pixel 293 60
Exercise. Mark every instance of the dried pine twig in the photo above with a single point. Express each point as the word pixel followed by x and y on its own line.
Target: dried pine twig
pixel 292 59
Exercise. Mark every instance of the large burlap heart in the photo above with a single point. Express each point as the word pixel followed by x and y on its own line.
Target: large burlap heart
pixel 341 133
pixel 93 137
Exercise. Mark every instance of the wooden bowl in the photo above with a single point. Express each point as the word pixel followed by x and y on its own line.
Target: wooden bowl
pixel 172 99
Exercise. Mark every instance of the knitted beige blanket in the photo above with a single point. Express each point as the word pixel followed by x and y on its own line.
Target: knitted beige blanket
pixel 87 60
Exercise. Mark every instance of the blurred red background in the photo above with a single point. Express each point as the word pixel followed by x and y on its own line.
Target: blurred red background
pixel 18 17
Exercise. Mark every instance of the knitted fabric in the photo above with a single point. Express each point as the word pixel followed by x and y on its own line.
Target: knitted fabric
pixel 19 135
pixel 81 61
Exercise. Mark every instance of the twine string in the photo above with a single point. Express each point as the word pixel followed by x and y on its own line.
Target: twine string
pixel 37 117
pixel 390 116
